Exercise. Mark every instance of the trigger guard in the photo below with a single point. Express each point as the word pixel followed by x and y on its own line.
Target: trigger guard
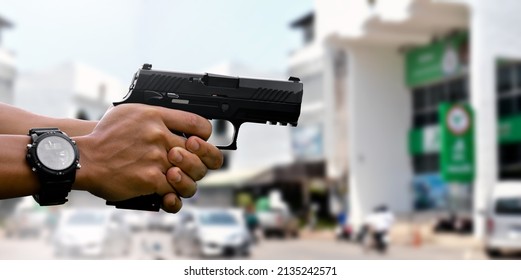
pixel 233 145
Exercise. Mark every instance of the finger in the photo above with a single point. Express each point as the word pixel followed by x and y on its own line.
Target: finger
pixel 173 140
pixel 210 155
pixel 172 203
pixel 158 179
pixel 183 185
pixel 188 123
pixel 189 163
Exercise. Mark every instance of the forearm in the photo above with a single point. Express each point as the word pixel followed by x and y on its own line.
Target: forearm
pixel 18 122
pixel 17 177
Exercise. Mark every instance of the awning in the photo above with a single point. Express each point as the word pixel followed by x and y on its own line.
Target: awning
pixel 295 172
pixel 237 178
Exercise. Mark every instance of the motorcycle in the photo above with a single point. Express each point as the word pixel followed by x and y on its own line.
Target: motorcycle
pixel 370 240
pixel 343 232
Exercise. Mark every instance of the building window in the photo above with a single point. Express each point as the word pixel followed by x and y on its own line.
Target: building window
pixel 508 90
pixel 425 102
pixel 426 99
pixel 508 109
pixel 426 163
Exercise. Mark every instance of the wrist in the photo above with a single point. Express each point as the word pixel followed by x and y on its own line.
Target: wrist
pixel 75 127
pixel 84 176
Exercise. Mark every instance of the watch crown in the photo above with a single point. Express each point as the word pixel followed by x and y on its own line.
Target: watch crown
pixel 78 166
pixel 29 146
pixel 33 169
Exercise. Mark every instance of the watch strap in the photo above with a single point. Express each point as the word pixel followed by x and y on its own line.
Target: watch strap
pixel 54 193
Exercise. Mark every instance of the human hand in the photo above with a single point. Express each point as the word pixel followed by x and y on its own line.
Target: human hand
pixel 132 152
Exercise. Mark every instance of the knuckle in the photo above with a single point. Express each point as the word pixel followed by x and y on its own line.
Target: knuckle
pixel 149 112
pixel 171 155
pixel 192 121
pixel 173 175
pixel 155 155
pixel 155 134
pixel 152 178
pixel 193 166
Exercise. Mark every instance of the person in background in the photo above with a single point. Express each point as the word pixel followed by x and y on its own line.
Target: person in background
pixel 379 224
pixel 252 222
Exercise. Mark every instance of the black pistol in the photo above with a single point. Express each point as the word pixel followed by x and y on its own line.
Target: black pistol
pixel 215 97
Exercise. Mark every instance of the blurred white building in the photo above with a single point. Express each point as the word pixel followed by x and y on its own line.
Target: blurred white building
pixel 388 126
pixel 7 68
pixel 69 90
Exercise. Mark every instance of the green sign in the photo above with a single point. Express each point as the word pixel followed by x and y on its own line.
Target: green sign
pixel 509 129
pixel 436 61
pixel 457 142
pixel 424 140
pixel 427 139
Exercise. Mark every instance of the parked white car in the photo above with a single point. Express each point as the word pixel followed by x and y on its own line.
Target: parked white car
pixel 504 220
pixel 161 221
pixel 92 233
pixel 27 220
pixel 135 220
pixel 278 222
pixel 206 232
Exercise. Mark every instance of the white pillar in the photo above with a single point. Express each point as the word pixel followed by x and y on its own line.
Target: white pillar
pixel 494 35
pixel 379 110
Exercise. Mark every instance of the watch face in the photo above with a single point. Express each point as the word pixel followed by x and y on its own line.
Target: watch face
pixel 55 153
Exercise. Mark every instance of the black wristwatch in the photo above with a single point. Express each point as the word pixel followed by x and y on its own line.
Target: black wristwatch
pixel 55 158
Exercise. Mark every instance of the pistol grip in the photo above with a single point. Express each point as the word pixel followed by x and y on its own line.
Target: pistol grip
pixel 151 202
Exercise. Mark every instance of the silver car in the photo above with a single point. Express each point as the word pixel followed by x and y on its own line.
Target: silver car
pixel 91 233
pixel 211 232
pixel 504 220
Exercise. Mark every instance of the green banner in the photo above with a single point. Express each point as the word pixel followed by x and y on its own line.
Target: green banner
pixel 424 140
pixel 509 129
pixel 436 61
pixel 457 142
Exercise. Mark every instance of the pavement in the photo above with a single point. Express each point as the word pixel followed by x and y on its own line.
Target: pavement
pixel 417 236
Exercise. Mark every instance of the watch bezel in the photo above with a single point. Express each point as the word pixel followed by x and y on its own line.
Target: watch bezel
pixel 36 163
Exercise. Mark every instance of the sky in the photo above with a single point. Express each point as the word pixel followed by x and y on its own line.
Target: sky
pixel 118 36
